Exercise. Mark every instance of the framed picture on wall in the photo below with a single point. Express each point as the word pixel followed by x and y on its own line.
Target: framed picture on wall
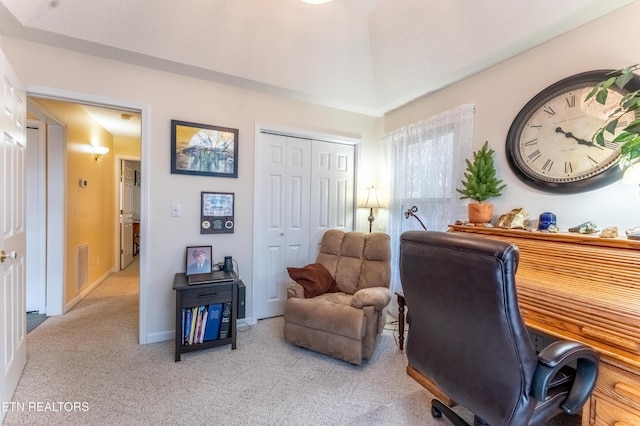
pixel 202 149
pixel 217 212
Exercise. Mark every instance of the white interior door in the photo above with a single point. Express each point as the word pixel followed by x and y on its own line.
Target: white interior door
pixel 332 181
pixel 126 215
pixel 283 221
pixel 13 347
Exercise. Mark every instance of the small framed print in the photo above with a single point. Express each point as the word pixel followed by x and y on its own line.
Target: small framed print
pixel 198 260
pixel 217 212
pixel 202 149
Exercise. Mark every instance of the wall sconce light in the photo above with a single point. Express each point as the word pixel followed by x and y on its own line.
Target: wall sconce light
pixel 98 151
pixel 371 202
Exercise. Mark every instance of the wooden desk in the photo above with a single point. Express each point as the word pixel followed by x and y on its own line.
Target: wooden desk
pixel 584 288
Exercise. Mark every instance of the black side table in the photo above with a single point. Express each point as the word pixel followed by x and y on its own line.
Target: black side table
pixel 189 296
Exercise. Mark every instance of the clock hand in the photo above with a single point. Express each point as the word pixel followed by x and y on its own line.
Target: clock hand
pixel 580 141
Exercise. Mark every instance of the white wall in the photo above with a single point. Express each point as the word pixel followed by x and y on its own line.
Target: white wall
pixel 500 92
pixel 170 96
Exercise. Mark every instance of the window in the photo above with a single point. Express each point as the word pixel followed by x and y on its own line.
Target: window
pixel 426 161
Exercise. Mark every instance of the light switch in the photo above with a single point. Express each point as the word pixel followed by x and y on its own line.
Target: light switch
pixel 175 210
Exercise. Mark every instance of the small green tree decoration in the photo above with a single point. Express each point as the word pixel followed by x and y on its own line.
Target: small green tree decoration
pixel 480 182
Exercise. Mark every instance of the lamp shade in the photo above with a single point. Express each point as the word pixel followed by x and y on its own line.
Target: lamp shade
pixel 97 149
pixel 372 199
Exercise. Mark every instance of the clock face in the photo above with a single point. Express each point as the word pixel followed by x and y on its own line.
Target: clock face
pixel 549 144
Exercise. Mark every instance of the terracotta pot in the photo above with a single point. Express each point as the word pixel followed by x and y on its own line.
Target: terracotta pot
pixel 480 212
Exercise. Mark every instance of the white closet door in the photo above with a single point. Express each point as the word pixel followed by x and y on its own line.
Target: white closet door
pixel 282 232
pixel 332 203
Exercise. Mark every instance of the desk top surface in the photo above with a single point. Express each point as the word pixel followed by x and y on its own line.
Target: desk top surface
pixel 568 237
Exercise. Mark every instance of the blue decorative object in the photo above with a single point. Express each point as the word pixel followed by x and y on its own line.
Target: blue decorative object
pixel 546 219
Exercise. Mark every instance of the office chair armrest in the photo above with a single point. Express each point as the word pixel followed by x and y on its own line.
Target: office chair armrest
pixel 557 355
pixel 378 297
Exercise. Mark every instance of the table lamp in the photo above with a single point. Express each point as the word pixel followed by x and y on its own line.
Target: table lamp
pixel 372 202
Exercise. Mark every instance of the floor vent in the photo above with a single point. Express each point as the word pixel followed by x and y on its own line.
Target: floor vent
pixel 82 266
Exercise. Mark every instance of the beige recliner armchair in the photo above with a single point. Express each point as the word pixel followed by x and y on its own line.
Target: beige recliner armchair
pixel 346 321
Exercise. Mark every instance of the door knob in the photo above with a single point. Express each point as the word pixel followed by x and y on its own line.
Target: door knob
pixel 4 255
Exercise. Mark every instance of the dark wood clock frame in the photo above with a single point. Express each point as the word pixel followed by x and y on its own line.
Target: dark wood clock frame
pixel 606 177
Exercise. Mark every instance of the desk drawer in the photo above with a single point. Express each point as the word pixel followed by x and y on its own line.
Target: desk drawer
pixel 619 385
pixel 197 296
pixel 606 413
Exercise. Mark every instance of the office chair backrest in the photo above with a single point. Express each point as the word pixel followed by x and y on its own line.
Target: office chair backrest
pixel 466 332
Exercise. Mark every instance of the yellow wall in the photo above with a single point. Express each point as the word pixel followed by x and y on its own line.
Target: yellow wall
pixel 89 209
pixel 126 146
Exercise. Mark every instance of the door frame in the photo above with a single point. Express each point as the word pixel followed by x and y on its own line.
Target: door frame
pixel 86 98
pixel 349 139
pixel 53 240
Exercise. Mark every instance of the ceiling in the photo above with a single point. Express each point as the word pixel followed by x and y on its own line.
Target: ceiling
pixel 366 56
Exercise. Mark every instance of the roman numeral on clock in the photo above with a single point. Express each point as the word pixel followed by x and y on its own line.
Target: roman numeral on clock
pixel 571 101
pixel 534 155
pixel 547 165
pixel 568 168
pixel 611 145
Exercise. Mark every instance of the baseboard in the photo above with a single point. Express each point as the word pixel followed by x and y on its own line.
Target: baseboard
pixel 86 290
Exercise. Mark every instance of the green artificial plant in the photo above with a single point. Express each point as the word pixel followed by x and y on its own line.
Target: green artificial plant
pixel 480 182
pixel 629 137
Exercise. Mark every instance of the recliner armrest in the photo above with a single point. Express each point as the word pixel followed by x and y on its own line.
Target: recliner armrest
pixel 557 355
pixel 378 297
pixel 295 290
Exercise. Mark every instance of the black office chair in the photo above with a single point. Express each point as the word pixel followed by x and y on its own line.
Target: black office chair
pixel 467 335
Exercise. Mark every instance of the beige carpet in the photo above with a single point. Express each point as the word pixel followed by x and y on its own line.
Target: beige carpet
pixel 86 368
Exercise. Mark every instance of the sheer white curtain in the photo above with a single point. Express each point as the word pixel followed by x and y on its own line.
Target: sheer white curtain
pixel 426 162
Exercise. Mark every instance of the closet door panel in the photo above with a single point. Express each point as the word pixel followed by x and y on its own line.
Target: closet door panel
pixel 332 178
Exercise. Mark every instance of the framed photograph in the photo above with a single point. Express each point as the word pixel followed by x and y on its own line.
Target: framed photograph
pixel 198 260
pixel 217 212
pixel 201 149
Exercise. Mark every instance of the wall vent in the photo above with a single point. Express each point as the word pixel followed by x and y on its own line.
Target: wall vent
pixel 82 266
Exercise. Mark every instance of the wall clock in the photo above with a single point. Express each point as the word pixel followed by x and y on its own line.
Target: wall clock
pixel 549 145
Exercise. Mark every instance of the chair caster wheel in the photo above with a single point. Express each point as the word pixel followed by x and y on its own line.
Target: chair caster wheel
pixel 435 412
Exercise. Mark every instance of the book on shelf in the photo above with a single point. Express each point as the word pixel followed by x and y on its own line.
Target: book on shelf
pixel 186 325
pixel 225 321
pixel 202 321
pixel 213 322
pixel 194 320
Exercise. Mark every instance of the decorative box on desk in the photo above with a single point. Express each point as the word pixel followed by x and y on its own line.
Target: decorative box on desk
pixel 190 296
pixel 585 288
